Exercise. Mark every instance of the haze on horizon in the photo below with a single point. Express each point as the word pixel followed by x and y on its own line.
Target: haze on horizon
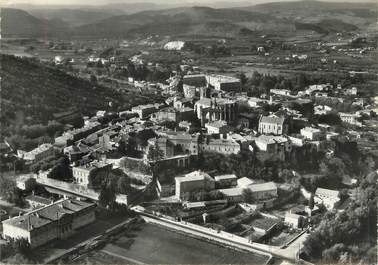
pixel 163 2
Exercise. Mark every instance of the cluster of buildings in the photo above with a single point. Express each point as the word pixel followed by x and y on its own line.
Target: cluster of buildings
pixel 197 184
pixel 209 114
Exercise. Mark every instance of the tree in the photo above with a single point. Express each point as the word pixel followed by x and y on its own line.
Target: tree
pixel 243 78
pixel 311 202
pixel 248 196
pixel 255 79
pixel 10 192
pixel 340 232
pixel 155 153
pixel 22 246
pixel 123 185
pixel 93 79
pixel 107 197
pixel 61 170
pixel 333 253
pixel 286 175
pixel 333 168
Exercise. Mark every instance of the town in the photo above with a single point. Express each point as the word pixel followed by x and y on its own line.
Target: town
pixel 266 155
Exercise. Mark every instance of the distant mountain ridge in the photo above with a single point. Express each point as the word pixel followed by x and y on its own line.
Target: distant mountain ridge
pixel 72 17
pixel 182 21
pixel 311 5
pixel 323 17
pixel 19 23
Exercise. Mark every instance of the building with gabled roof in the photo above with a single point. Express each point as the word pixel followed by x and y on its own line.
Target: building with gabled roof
pixel 262 191
pixel 55 221
pixel 327 197
pixel 196 181
pixel 273 124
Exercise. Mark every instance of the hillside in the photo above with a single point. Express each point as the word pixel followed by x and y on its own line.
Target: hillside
pixel 312 5
pixel 32 92
pixel 72 17
pixel 323 17
pixel 326 26
pixel 16 22
pixel 178 21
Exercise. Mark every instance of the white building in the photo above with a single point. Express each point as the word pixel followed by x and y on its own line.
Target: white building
pixel 280 92
pixel 218 127
pixel 294 220
pixel 311 133
pixel 273 144
pixel 174 45
pixel 58 59
pixel 196 181
pixel 81 174
pixel 322 110
pixel 350 118
pixel 256 102
pixel 273 124
pixel 42 152
pixel 224 146
pixel 327 197
pixel 352 91
pixel 264 191
pixel 222 82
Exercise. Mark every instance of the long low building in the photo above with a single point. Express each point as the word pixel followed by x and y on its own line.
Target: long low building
pixel 55 221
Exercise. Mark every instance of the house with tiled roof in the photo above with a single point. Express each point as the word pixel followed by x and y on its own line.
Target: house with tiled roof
pixel 57 220
pixel 273 124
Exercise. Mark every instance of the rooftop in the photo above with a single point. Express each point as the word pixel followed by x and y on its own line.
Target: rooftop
pixel 40 149
pixel 244 182
pixel 311 129
pixel 327 192
pixel 38 199
pixel 224 78
pixel 47 214
pixel 263 186
pixel 219 101
pixel 273 119
pixel 193 176
pixel 223 177
pixel 216 124
pixel 264 223
pixel 232 191
pixel 271 139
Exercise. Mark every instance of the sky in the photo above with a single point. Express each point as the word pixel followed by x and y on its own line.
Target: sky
pixel 183 2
